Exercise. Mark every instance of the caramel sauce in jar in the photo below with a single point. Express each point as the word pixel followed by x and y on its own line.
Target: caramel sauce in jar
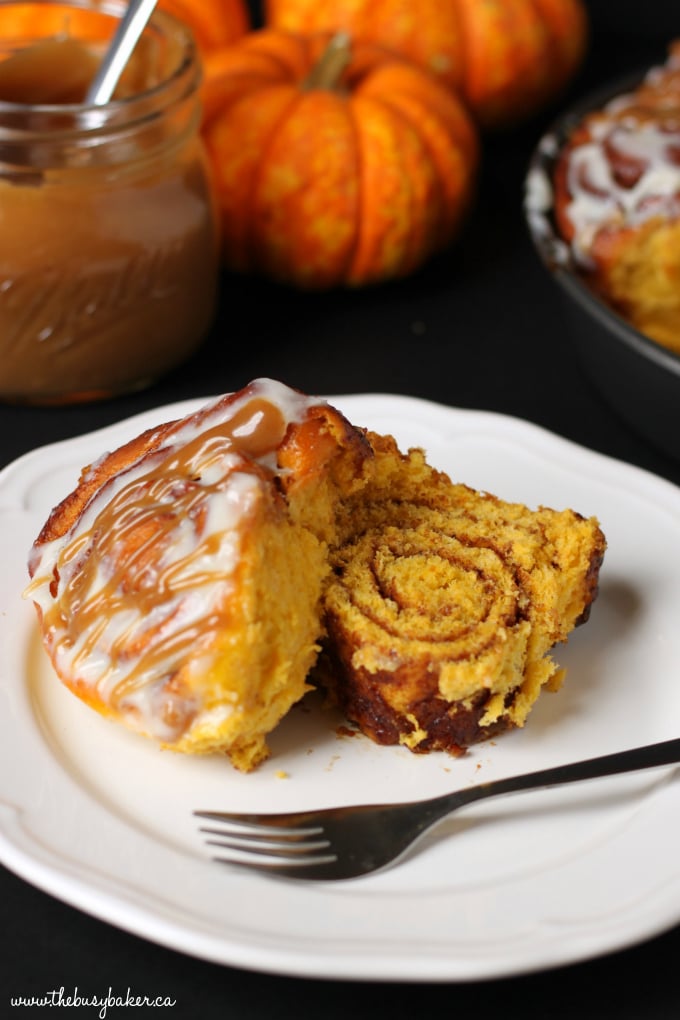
pixel 108 240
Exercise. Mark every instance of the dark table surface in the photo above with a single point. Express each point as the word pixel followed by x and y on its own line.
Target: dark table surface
pixel 479 327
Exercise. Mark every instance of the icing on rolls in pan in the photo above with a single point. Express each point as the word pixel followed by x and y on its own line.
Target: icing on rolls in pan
pixel 617 202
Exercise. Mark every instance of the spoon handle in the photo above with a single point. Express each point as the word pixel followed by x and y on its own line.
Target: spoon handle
pixel 124 41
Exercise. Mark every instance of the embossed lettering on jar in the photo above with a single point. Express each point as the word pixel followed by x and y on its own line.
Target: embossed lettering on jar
pixel 108 248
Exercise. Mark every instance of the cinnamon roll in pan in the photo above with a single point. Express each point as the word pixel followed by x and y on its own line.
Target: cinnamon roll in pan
pixel 445 604
pixel 617 201
pixel 178 587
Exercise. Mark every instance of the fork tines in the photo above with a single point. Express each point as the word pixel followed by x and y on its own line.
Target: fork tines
pixel 250 841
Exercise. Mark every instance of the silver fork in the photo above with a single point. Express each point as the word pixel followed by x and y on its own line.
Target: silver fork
pixel 345 842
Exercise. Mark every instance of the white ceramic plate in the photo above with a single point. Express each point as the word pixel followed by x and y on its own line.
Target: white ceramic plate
pixel 102 819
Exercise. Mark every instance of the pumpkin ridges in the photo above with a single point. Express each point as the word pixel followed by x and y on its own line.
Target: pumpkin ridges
pixel 528 66
pixel 427 31
pixel 568 27
pixel 427 215
pixel 407 79
pixel 222 25
pixel 530 52
pixel 453 173
pixel 308 177
pixel 386 196
pixel 322 187
pixel 236 152
pixel 237 59
pixel 231 72
pixel 329 16
pixel 440 119
pixel 554 59
pixel 496 64
pixel 236 147
pixel 218 92
pixel 291 52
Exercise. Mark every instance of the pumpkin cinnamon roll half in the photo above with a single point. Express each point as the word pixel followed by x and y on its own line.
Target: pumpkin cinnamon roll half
pixel 445 604
pixel 178 587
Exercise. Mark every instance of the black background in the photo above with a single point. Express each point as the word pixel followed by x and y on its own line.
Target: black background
pixel 479 327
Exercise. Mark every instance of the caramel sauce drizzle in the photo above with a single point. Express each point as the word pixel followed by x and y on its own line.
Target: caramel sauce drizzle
pixel 146 573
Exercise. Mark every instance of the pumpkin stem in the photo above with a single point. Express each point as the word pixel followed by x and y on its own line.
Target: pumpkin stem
pixel 328 70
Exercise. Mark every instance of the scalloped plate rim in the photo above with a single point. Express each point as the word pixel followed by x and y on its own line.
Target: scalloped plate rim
pixel 110 897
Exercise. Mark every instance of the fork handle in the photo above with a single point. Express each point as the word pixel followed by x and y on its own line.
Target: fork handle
pixel 637 758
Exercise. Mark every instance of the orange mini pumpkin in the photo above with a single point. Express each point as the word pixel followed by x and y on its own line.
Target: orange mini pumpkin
pixel 333 167
pixel 506 57
pixel 214 22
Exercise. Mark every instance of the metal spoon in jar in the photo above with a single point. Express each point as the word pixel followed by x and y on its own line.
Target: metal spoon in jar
pixel 123 43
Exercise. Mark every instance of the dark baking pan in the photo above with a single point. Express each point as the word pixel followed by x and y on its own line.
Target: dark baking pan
pixel 638 377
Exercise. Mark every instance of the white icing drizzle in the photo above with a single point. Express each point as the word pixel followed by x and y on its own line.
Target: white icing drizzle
pixel 649 149
pixel 143 572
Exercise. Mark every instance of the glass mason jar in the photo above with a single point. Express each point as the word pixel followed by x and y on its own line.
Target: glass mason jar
pixel 108 239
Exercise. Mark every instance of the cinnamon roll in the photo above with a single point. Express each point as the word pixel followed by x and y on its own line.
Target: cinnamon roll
pixel 617 202
pixel 445 603
pixel 178 587
pixel 188 583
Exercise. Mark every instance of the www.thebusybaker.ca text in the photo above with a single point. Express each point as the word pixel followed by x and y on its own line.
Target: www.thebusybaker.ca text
pixel 58 997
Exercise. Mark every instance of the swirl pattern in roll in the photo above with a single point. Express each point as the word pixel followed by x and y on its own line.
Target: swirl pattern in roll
pixel 445 604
